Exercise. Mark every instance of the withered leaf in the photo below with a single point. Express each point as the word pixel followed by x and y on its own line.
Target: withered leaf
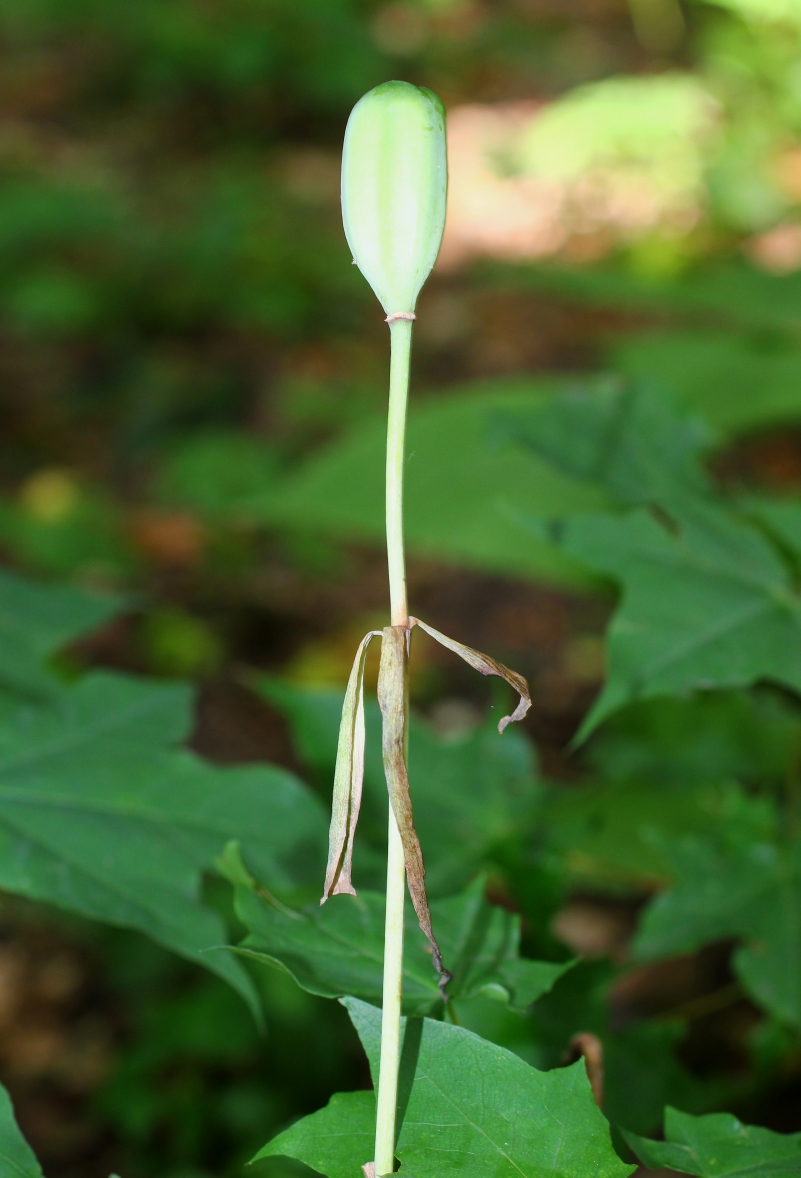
pixel 348 777
pixel 392 701
pixel 487 666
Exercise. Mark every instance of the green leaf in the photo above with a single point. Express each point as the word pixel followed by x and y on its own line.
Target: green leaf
pixel 719 1146
pixel 707 600
pixel 744 884
pixel 747 736
pixel 17 1159
pixel 468 1107
pixel 706 604
pixel 336 1141
pixel 338 949
pixel 642 1070
pixel 628 440
pixel 314 715
pixel 715 374
pixel 604 832
pixel 469 795
pixel 462 494
pixel 781 518
pixel 36 620
pixel 101 815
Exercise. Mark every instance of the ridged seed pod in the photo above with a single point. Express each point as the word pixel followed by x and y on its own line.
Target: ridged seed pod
pixel 394 185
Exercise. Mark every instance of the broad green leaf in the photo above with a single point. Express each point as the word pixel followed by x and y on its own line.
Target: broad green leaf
pixel 747 736
pixel 338 949
pixel 604 833
pixel 740 883
pixel 781 518
pixel 17 1159
pixel 102 815
pixel 714 374
pixel 462 493
pixel 627 440
pixel 336 1141
pixel 706 599
pixel 467 1107
pixel 707 604
pixel 469 795
pixel 642 1070
pixel 314 715
pixel 35 621
pixel 719 1146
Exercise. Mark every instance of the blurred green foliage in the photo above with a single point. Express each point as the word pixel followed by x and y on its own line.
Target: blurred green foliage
pixel 191 383
pixel 195 1085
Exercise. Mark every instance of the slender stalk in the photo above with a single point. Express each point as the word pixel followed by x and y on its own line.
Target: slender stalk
pixel 391 1014
pixel 401 343
pixel 401 349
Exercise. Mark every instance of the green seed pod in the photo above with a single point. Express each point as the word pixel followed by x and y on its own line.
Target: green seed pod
pixel 394 184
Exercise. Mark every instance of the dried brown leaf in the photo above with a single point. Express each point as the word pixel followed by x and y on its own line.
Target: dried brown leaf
pixel 591 1047
pixel 487 666
pixel 392 701
pixel 348 778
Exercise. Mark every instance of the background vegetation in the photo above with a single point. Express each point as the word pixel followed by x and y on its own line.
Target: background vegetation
pixel 192 384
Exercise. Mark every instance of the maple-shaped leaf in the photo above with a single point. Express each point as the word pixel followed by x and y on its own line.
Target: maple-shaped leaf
pixel 707 600
pixel 37 619
pixel 466 1107
pixel 719 1146
pixel 738 882
pixel 103 814
pixel 338 949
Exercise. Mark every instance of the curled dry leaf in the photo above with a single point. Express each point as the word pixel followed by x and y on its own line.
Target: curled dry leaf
pixel 349 773
pixel 348 779
pixel 487 666
pixel 392 701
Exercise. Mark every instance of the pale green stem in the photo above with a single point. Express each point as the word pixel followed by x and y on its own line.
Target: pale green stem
pixel 387 1101
pixel 401 337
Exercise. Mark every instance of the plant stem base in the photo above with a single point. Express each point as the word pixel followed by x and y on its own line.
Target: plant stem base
pixel 391 1015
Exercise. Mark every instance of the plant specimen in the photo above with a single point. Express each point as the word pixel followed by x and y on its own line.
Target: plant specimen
pixel 394 186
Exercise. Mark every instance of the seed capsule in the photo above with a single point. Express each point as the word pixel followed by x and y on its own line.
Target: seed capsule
pixel 394 185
